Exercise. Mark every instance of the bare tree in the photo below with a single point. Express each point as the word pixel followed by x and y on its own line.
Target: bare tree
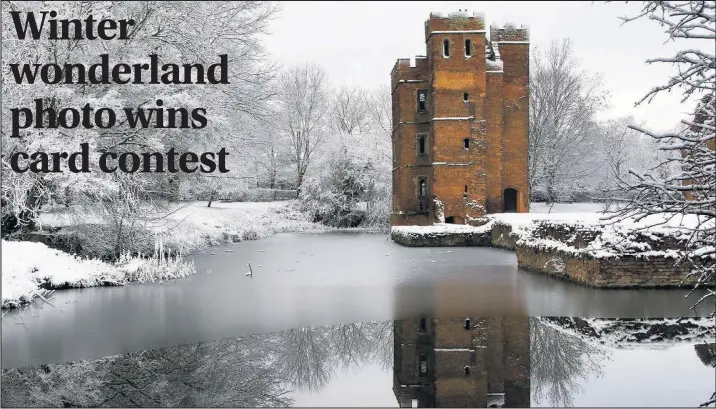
pixel 563 102
pixel 685 198
pixel 349 113
pixel 380 108
pixel 303 104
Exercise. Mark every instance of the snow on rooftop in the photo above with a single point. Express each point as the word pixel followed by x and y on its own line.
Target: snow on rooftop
pixel 459 13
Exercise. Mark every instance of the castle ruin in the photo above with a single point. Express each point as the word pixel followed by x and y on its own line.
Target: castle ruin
pixel 460 123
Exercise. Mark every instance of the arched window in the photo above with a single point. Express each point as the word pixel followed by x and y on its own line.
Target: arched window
pixel 423 188
pixel 468 48
pixel 467 371
pixel 446 48
pixel 465 97
pixel 467 323
pixel 466 143
pixel 423 324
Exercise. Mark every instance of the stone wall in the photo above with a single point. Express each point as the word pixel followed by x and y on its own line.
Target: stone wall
pixel 442 240
pixel 502 236
pixel 623 272
pixel 573 261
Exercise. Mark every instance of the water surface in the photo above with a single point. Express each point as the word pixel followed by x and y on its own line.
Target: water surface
pixel 303 280
pixel 424 361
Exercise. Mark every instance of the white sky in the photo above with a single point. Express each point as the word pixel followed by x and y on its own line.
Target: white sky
pixel 358 43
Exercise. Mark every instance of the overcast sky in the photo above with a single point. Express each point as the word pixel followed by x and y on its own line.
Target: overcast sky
pixel 358 43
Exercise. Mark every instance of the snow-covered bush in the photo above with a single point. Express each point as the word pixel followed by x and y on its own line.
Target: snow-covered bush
pixel 350 185
pixel 333 197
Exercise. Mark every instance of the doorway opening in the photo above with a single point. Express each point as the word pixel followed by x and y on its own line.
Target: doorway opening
pixel 510 200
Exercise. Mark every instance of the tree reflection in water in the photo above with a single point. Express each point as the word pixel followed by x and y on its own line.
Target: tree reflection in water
pixel 261 370
pixel 308 358
pixel 253 371
pixel 560 361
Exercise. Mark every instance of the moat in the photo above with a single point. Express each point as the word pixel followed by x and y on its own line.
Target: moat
pixel 307 280
pixel 412 362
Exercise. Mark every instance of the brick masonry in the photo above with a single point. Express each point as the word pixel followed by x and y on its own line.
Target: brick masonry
pixel 468 144
pixel 623 272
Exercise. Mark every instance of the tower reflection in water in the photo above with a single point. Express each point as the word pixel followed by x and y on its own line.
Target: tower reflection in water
pixel 462 362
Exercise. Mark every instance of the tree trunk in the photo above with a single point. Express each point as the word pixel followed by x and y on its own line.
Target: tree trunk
pixel 27 217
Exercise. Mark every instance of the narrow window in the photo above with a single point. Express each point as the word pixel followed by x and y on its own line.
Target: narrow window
pixel 421 145
pixel 467 323
pixel 468 48
pixel 446 48
pixel 423 324
pixel 465 97
pixel 467 371
pixel 465 188
pixel 422 100
pixel 423 365
pixel 466 143
pixel 422 195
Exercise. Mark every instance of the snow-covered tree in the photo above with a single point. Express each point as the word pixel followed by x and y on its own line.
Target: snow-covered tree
pixel 687 196
pixel 178 32
pixel 349 113
pixel 303 103
pixel 563 102
pixel 380 107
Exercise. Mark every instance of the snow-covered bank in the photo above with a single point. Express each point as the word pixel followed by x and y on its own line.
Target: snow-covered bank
pixel 30 269
pixel 192 226
pixel 186 227
pixel 598 236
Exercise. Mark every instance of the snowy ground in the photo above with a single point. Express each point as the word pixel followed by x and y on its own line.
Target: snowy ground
pixel 188 227
pixel 194 226
pixel 567 208
pixel 614 237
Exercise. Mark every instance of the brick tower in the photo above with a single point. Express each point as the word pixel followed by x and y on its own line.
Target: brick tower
pixel 460 123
